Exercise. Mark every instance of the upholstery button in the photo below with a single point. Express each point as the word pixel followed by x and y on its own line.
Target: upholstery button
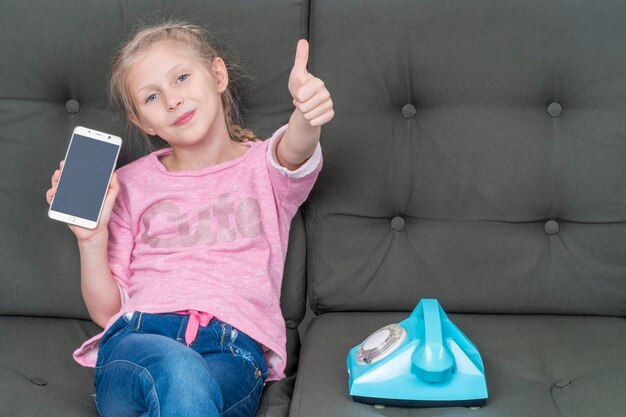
pixel 39 381
pixel 551 227
pixel 72 106
pixel 398 223
pixel 555 109
pixel 409 111
pixel 561 383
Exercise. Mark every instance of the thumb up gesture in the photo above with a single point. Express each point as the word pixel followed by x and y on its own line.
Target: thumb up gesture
pixel 309 93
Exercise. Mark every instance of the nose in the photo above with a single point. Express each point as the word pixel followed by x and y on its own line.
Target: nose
pixel 174 101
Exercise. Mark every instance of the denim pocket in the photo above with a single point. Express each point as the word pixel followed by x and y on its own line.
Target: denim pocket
pixel 121 324
pixel 250 352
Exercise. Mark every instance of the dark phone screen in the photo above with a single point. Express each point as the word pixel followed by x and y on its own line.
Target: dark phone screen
pixel 85 177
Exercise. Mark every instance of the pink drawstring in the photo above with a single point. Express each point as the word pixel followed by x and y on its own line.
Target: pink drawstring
pixel 196 319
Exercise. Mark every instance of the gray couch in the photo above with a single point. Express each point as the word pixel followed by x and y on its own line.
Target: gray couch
pixel 477 156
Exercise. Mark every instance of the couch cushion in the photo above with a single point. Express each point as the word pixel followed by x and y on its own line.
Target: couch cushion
pixel 539 366
pixel 39 378
pixel 477 156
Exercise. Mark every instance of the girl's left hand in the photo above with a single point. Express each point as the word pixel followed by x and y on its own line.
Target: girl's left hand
pixel 309 93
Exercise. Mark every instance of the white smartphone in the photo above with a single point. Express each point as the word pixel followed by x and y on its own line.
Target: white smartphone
pixel 89 164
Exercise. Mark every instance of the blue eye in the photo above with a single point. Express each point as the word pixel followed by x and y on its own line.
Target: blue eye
pixel 151 97
pixel 183 77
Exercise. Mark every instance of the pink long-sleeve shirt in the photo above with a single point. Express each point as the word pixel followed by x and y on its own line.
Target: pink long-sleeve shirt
pixel 212 240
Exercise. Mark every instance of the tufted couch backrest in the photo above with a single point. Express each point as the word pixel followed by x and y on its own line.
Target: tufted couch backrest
pixel 55 60
pixel 480 160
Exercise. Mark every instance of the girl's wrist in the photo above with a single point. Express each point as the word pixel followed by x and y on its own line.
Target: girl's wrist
pixel 95 242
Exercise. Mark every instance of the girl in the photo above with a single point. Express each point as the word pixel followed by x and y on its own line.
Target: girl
pixel 184 269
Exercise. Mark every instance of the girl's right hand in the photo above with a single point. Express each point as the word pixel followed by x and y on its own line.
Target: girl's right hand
pixel 83 234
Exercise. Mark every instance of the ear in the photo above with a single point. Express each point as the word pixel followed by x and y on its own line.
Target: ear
pixel 220 74
pixel 150 131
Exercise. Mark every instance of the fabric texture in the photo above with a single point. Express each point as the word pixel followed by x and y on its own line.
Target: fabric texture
pixel 37 371
pixel 37 366
pixel 457 140
pixel 535 365
pixel 212 240
pixel 145 368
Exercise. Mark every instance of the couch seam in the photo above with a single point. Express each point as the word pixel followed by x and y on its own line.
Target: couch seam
pixel 295 408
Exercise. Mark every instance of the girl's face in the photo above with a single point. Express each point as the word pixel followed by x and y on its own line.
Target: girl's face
pixel 177 96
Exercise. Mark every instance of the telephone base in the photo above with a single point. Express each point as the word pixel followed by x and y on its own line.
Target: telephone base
pixel 420 403
pixel 423 361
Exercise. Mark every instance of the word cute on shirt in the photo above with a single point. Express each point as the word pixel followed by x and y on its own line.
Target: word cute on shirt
pixel 167 225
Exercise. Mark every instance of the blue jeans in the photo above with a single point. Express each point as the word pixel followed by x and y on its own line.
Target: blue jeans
pixel 144 368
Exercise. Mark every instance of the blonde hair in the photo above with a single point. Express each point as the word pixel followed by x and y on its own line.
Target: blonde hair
pixel 198 41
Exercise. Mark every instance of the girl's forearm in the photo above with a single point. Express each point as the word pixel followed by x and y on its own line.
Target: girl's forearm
pixel 298 143
pixel 99 288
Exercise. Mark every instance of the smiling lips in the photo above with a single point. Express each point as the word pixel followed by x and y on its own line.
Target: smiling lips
pixel 186 117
